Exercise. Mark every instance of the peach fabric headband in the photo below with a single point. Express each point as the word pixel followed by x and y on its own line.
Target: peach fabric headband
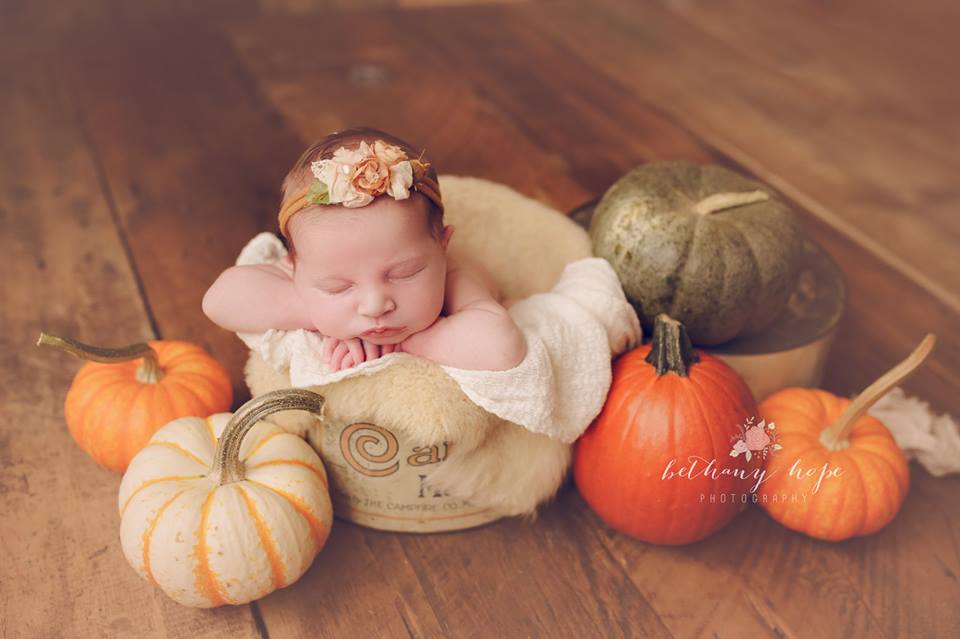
pixel 354 177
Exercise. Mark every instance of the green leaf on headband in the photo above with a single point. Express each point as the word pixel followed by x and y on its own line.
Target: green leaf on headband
pixel 318 193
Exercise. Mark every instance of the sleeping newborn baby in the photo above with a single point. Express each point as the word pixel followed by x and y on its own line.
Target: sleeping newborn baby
pixel 368 265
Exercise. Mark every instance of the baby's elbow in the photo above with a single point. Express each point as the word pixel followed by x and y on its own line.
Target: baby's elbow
pixel 513 349
pixel 209 305
pixel 518 349
pixel 213 305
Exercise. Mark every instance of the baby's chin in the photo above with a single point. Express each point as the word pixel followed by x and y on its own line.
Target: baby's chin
pixel 383 340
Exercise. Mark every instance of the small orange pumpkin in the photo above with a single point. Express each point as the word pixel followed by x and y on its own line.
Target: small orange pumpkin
pixel 120 398
pixel 839 473
pixel 656 463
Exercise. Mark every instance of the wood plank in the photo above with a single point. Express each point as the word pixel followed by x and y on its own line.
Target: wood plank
pixel 193 181
pixel 198 152
pixel 385 79
pixel 544 108
pixel 370 582
pixel 859 350
pixel 362 584
pixel 505 560
pixel 722 585
pixel 888 313
pixel 841 114
pixel 616 128
pixel 502 578
pixel 65 271
pixel 54 18
pixel 44 22
pixel 550 577
pixel 899 582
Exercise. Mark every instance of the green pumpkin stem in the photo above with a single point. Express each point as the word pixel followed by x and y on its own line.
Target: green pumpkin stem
pixel 149 372
pixel 227 466
pixel 836 436
pixel 722 201
pixel 671 350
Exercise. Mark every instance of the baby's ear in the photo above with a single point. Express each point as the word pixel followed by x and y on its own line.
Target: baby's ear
pixel 286 263
pixel 447 234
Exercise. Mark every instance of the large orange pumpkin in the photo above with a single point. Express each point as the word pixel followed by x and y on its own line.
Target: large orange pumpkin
pixel 839 473
pixel 656 464
pixel 122 396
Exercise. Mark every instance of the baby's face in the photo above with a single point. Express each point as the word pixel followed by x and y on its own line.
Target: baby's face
pixel 374 266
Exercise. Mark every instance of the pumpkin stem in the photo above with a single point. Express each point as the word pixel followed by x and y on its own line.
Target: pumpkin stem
pixel 671 349
pixel 148 373
pixel 721 201
pixel 835 437
pixel 227 465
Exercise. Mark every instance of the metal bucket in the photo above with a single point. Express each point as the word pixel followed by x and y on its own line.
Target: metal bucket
pixel 377 480
pixel 794 349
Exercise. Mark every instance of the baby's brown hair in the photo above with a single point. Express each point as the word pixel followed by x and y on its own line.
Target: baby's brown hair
pixel 300 175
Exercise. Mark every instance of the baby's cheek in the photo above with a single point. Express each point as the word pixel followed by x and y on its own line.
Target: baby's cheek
pixel 428 304
pixel 330 318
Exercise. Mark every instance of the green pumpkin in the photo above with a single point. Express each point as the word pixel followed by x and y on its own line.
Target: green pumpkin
pixel 714 250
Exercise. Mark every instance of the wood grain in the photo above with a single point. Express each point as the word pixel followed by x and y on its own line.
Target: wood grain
pixel 839 117
pixel 192 160
pixel 147 156
pixel 65 271
pixel 156 207
pixel 618 128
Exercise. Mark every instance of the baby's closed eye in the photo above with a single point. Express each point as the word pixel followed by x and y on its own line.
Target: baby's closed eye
pixel 406 276
pixel 337 291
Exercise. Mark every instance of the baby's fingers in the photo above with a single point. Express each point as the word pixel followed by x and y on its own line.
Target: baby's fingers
pixel 356 350
pixel 386 349
pixel 338 354
pixel 329 343
pixel 371 351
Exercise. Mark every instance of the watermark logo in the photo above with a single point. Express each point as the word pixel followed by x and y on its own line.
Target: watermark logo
pixel 755 438
pixel 760 439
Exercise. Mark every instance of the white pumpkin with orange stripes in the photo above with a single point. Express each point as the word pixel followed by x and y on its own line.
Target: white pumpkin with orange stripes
pixel 227 509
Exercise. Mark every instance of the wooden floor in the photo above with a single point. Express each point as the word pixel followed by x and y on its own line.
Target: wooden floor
pixel 141 148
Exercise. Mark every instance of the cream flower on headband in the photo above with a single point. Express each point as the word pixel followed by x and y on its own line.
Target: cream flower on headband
pixel 353 177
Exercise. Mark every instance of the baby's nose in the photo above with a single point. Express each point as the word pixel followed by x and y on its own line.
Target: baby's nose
pixel 376 304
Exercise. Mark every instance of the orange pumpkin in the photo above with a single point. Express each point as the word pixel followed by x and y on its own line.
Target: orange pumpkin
pixel 839 473
pixel 122 396
pixel 656 464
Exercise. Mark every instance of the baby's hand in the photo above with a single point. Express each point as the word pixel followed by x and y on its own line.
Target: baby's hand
pixel 343 354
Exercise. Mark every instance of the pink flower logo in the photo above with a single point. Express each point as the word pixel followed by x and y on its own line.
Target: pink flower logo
pixel 755 438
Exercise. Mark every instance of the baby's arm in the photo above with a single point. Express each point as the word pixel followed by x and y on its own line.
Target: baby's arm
pixel 255 298
pixel 477 334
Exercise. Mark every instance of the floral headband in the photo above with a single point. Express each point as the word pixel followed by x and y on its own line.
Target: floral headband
pixel 354 177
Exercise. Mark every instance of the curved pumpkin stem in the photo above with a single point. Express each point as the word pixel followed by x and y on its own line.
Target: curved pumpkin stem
pixel 227 466
pixel 149 373
pixel 835 437
pixel 671 350
pixel 721 201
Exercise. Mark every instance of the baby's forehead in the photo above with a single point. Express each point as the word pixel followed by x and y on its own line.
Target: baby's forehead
pixel 353 226
pixel 411 211
pixel 354 236
pixel 358 258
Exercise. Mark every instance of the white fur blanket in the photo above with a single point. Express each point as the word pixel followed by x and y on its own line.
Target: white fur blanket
pixel 932 440
pixel 572 333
